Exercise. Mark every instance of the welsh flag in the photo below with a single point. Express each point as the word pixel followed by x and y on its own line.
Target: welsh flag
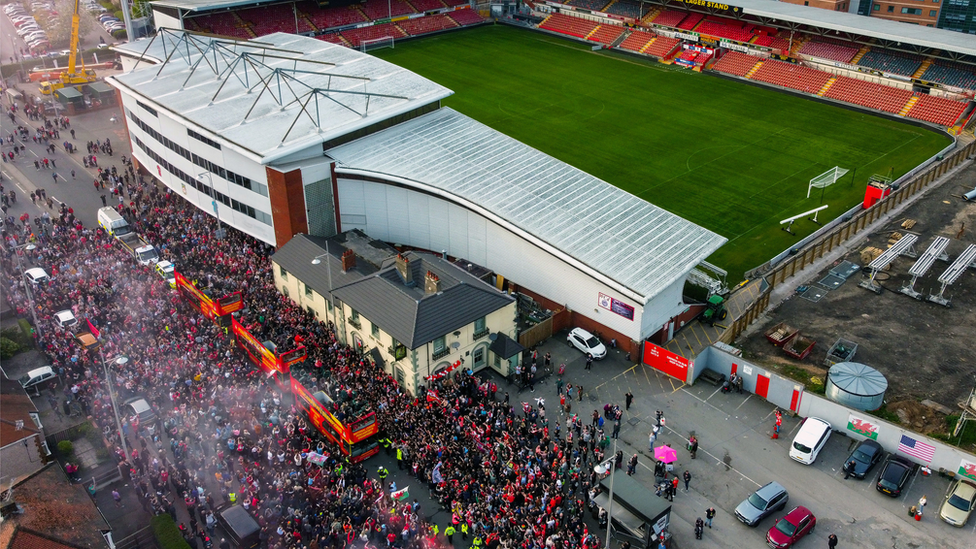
pixel 401 495
pixel 967 469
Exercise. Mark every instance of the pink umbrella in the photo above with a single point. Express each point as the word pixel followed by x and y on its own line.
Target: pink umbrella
pixel 665 454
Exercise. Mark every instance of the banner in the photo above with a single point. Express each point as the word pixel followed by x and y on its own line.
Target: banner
pixel 401 495
pixel 734 46
pixel 316 459
pixel 967 469
pixel 616 306
pixel 863 427
pixel 666 362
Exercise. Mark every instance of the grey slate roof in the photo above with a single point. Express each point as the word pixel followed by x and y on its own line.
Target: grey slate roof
pixel 296 257
pixel 413 318
pixel 505 346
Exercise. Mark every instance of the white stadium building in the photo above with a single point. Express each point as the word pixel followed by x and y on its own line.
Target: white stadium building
pixel 287 134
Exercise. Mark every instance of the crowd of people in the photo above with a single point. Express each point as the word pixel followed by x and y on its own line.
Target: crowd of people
pixel 509 475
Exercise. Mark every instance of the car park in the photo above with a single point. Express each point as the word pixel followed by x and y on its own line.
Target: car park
pixel 763 502
pixel 65 320
pixel 809 440
pixel 37 376
pixel 895 473
pixel 791 528
pixel 959 502
pixel 865 456
pixel 36 276
pixel 587 343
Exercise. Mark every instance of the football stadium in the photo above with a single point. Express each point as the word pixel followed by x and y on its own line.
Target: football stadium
pixel 616 146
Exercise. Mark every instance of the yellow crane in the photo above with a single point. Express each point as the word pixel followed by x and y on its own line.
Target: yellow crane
pixel 72 75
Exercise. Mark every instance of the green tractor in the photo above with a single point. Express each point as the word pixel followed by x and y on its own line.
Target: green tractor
pixel 714 310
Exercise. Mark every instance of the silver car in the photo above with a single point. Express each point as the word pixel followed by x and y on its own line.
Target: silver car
pixel 762 503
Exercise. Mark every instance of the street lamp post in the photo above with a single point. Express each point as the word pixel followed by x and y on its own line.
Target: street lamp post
pixel 213 202
pixel 601 469
pixel 111 393
pixel 328 273
pixel 30 295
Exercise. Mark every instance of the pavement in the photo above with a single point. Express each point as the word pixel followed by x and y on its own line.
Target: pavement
pixel 736 453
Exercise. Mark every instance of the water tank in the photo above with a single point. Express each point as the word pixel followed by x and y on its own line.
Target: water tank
pixel 856 385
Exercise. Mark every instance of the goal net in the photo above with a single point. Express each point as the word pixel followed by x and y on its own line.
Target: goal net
pixel 826 179
pixel 376 43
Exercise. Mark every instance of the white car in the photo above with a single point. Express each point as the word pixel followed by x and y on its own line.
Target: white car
pixel 36 275
pixel 811 438
pixel 587 343
pixel 36 377
pixel 65 319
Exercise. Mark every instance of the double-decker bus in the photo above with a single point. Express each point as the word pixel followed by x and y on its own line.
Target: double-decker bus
pixel 265 354
pixel 218 310
pixel 357 439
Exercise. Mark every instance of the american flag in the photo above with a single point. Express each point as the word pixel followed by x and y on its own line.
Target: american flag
pixel 914 448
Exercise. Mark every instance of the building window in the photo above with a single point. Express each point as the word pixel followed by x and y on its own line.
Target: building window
pixel 376 330
pixel 328 304
pixel 891 9
pixel 282 272
pixel 933 13
pixel 284 291
pixel 440 348
pixel 310 311
pixel 354 318
pixel 480 328
pixel 877 7
pixel 806 3
pixel 308 291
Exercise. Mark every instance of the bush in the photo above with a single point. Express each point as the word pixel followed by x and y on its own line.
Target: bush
pixel 8 348
pixel 119 34
pixel 66 448
pixel 167 534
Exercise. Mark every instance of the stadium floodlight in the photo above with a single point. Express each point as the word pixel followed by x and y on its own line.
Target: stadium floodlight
pixel 790 220
pixel 826 179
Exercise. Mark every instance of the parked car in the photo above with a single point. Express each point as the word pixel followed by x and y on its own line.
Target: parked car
pixel 865 456
pixel 762 503
pixel 36 377
pixel 139 406
pixel 811 438
pixel 36 276
pixel 789 529
pixel 895 473
pixel 65 319
pixel 959 502
pixel 587 343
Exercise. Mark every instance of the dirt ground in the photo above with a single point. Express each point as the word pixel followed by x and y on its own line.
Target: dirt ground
pixel 925 350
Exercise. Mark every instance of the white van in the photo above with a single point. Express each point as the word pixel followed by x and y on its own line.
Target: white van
pixel 112 222
pixel 66 320
pixel 811 438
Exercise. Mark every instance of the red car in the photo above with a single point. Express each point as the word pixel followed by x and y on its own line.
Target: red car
pixel 789 529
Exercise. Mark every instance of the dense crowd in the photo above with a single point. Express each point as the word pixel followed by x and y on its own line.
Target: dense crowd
pixel 508 475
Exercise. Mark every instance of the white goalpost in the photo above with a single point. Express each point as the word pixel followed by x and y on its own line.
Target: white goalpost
pixel 376 43
pixel 826 179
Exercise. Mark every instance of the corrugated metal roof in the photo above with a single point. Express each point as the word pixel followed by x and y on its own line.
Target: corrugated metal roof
pixel 271 131
pixel 413 317
pixel 628 240
pixel 875 27
pixel 207 5
pixel 857 379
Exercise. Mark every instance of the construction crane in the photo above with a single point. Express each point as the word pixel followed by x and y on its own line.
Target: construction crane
pixel 71 76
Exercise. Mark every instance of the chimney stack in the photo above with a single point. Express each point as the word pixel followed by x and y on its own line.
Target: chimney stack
pixel 403 268
pixel 432 283
pixel 348 260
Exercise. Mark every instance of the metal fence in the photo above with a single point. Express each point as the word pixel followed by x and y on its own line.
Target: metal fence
pixel 841 234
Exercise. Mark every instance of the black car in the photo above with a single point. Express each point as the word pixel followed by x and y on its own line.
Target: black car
pixel 865 456
pixel 895 473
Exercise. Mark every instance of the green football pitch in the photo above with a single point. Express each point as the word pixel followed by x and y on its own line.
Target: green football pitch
pixel 729 156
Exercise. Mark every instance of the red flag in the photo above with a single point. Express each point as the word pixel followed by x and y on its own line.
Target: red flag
pixel 93 329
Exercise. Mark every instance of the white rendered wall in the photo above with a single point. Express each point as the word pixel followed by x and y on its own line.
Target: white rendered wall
pixel 403 216
pixel 228 159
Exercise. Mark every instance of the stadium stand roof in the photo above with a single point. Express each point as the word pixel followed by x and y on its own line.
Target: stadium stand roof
pixel 207 5
pixel 624 239
pixel 874 27
pixel 250 93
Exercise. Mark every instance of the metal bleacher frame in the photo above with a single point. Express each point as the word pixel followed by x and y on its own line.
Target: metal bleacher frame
pixel 959 266
pixel 903 246
pixel 936 250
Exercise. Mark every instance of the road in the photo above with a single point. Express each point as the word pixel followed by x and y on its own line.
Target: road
pixel 736 453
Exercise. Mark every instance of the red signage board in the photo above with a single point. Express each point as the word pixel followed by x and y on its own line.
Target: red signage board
pixel 666 362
